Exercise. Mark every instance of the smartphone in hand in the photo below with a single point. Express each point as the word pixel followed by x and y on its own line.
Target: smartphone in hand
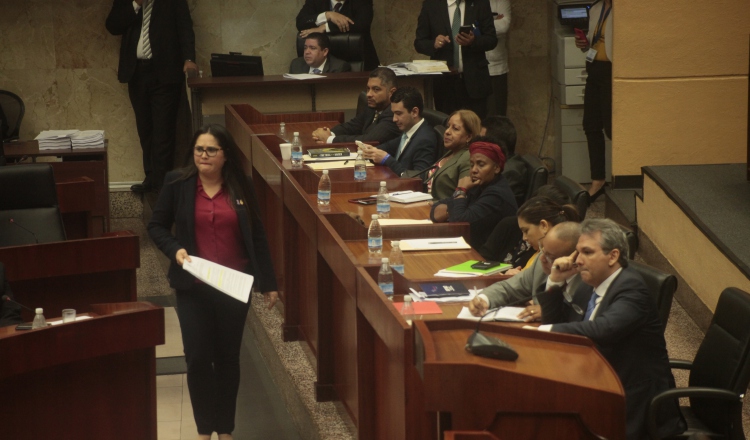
pixel 466 29
pixel 581 35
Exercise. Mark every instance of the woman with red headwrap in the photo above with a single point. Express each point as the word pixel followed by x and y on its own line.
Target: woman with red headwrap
pixel 483 197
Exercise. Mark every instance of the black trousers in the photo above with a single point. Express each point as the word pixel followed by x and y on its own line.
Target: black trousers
pixel 155 105
pixel 212 325
pixel 450 95
pixel 597 114
pixel 498 102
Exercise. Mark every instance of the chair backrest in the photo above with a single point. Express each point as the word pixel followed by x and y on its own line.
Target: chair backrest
pixel 361 102
pixel 12 110
pixel 632 239
pixel 29 212
pixel 440 130
pixel 537 172
pixel 434 117
pixel 723 358
pixel 579 196
pixel 347 46
pixel 661 286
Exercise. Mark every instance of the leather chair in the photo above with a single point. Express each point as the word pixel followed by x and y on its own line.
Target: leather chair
pixel 348 47
pixel 719 374
pixel 361 102
pixel 440 130
pixel 12 110
pixel 661 286
pixel 434 117
pixel 537 172
pixel 632 239
pixel 29 212
pixel 579 196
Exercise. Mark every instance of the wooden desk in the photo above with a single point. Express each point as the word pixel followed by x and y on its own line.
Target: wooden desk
pixel 87 379
pixel 91 163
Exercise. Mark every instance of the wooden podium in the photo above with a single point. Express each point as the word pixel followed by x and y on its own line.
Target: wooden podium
pixel 94 378
pixel 560 387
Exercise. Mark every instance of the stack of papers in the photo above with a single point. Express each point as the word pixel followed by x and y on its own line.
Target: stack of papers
pixel 434 244
pixel 428 66
pixel 302 76
pixel 402 69
pixel 55 139
pixel 407 196
pixel 88 139
pixel 508 314
pixel 466 269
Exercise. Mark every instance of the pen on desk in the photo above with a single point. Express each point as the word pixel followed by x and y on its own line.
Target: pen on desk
pixel 346 162
pixel 441 242
pixel 398 193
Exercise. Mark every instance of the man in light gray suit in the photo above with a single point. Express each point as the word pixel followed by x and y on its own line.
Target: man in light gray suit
pixel 560 241
pixel 316 58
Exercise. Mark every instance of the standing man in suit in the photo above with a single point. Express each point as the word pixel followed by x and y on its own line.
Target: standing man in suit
pixel 438 37
pixel 340 16
pixel 416 148
pixel 157 49
pixel 375 123
pixel 620 317
pixel 316 59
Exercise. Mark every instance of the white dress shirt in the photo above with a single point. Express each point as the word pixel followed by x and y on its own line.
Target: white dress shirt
pixel 319 67
pixel 322 16
pixel 498 57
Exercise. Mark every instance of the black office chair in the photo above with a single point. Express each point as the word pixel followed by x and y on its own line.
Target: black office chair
pixel 440 130
pixel 348 47
pixel 361 102
pixel 537 172
pixel 12 110
pixel 632 240
pixel 29 212
pixel 579 196
pixel 661 286
pixel 719 374
pixel 434 117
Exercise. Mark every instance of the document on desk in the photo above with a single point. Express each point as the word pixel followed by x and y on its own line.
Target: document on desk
pixel 232 282
pixel 434 244
pixel 507 314
pixel 302 76
pixel 333 164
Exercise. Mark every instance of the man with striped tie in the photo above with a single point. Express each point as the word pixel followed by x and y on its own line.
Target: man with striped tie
pixel 157 49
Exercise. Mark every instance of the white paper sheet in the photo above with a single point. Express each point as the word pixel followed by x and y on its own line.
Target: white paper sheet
pixel 302 76
pixel 232 282
pixel 434 244
pixel 502 314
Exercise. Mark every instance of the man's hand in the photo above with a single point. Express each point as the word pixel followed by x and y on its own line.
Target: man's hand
pixel 564 268
pixel 465 39
pixel 375 154
pixel 466 182
pixel 342 21
pixel 513 271
pixel 182 256
pixel 441 41
pixel 271 298
pixel 306 32
pixel 531 313
pixel 322 134
pixel 189 65
pixel 478 306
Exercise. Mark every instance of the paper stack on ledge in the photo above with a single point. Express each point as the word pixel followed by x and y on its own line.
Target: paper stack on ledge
pixel 88 139
pixel 55 139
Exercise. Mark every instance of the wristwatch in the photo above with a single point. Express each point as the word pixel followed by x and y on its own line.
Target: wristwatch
pixel 459 192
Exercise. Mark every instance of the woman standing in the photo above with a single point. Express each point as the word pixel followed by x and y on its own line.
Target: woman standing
pixel 463 125
pixel 482 198
pixel 213 207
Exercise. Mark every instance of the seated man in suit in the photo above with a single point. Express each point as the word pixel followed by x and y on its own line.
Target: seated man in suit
pixel 502 129
pixel 316 58
pixel 619 316
pixel 561 240
pixel 10 313
pixel 416 148
pixel 375 124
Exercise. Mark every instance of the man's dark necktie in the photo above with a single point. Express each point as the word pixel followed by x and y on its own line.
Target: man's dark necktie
pixel 337 7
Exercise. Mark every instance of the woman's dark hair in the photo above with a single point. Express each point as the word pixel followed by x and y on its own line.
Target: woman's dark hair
pixel 232 173
pixel 554 193
pixel 541 208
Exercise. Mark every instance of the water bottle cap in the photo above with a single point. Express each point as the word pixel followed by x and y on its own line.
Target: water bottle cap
pixel 407 298
pixel 374 216
pixel 382 183
pixel 296 133
pixel 39 311
pixel 395 243
pixel 283 123
pixel 382 260
pixel 284 145
pixel 325 172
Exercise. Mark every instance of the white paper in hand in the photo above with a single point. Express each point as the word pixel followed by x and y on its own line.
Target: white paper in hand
pixel 232 282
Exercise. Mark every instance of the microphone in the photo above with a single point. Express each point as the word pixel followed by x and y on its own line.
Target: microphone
pixel 7 298
pixel 13 222
pixel 487 346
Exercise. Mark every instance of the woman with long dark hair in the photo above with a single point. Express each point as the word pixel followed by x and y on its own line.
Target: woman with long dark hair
pixel 213 207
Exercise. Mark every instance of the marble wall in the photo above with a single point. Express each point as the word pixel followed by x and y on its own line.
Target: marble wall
pixel 59 58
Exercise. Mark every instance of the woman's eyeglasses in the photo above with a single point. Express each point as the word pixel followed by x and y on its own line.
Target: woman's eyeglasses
pixel 210 151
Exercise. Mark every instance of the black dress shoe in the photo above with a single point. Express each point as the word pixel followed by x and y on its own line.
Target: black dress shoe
pixel 592 198
pixel 141 188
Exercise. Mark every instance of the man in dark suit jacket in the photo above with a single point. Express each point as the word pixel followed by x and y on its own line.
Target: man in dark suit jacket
pixel 375 123
pixel 316 58
pixel 340 16
pixel 502 129
pixel 10 313
pixel 438 37
pixel 416 148
pixel 620 317
pixel 157 48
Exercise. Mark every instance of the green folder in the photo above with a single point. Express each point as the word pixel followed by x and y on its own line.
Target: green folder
pixel 466 268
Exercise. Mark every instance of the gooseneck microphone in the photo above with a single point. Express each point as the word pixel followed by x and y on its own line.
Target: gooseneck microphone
pixel 487 346
pixel 7 298
pixel 13 222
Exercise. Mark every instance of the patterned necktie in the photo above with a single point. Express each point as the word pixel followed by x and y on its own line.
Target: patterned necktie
pixel 401 146
pixel 375 118
pixel 591 306
pixel 316 70
pixel 145 28
pixel 455 27
pixel 337 7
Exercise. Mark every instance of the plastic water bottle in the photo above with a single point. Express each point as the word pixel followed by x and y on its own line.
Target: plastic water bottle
pixel 375 237
pixel 396 260
pixel 39 321
pixel 282 131
pixel 384 201
pixel 407 310
pixel 324 189
pixel 360 167
pixel 297 152
pixel 385 278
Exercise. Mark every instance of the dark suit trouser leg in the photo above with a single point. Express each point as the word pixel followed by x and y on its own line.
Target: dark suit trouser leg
pixel 498 102
pixel 597 114
pixel 451 95
pixel 155 106
pixel 212 325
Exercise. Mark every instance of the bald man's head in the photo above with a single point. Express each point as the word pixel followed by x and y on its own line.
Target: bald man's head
pixel 560 241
